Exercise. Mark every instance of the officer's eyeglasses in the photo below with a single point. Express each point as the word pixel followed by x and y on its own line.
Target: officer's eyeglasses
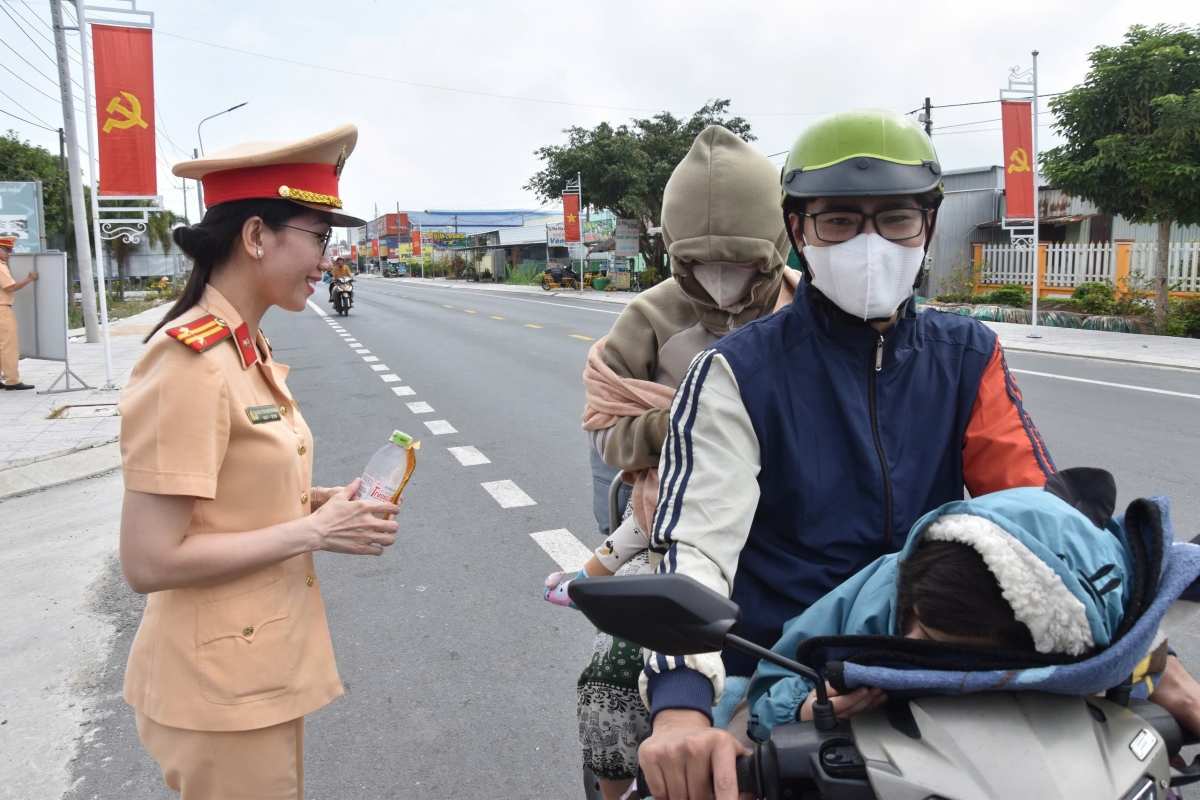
pixel 893 224
pixel 323 238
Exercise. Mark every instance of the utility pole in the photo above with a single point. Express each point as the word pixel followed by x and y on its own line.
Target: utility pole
pixel 184 182
pixel 83 250
pixel 66 204
pixel 199 190
pixel 928 118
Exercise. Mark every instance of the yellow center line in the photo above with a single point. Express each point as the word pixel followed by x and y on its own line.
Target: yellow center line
pixel 447 306
pixel 469 311
pixel 581 336
pixel 530 325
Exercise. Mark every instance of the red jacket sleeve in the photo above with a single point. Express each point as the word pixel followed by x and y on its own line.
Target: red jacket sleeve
pixel 1001 448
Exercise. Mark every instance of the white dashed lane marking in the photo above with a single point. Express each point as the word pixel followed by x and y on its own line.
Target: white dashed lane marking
pixel 1105 383
pixel 420 408
pixel 561 545
pixel 439 426
pixel 370 358
pixel 379 367
pixel 468 456
pixel 390 378
pixel 508 494
pixel 363 351
pixel 403 391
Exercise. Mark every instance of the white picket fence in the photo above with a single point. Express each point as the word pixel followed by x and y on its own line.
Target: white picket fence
pixel 1184 261
pixel 1070 264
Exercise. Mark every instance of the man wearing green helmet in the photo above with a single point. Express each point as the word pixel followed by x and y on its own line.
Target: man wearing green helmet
pixel 807 443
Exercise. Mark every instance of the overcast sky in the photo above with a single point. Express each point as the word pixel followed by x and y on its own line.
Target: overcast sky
pixel 514 74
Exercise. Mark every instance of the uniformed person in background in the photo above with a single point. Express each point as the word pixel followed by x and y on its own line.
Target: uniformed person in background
pixel 220 520
pixel 10 348
pixel 340 270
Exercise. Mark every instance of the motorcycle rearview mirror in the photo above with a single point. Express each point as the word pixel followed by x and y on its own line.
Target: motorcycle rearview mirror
pixel 676 615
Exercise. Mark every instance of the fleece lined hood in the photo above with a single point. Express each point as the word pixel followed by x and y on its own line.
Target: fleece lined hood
pixel 1067 579
pixel 722 205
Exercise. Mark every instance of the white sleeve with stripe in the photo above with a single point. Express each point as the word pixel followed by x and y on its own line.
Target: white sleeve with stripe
pixel 708 494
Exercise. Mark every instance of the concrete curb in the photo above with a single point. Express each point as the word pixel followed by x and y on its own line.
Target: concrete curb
pixel 1139 362
pixel 57 469
pixel 23 462
pixel 538 291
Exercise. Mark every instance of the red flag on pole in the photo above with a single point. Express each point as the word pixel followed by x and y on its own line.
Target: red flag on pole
pixel 124 60
pixel 416 242
pixel 571 217
pixel 1020 197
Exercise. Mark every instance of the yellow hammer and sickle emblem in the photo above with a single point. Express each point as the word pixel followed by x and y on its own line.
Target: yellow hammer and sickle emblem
pixel 132 115
pixel 1019 161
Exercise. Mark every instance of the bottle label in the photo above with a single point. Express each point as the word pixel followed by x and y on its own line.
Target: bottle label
pixel 376 490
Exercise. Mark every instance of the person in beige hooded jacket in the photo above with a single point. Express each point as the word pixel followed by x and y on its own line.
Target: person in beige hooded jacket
pixel 728 247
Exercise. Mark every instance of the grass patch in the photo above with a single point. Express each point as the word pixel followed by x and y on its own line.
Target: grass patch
pixel 117 309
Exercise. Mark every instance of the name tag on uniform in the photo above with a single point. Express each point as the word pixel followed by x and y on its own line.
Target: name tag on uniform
pixel 261 414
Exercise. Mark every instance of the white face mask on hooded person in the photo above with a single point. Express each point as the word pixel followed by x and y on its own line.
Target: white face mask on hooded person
pixel 867 276
pixel 727 284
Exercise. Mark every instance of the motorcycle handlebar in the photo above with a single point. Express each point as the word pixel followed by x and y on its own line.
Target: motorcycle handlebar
pixel 747 781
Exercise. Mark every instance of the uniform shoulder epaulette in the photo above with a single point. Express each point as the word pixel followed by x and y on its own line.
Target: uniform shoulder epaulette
pixel 202 334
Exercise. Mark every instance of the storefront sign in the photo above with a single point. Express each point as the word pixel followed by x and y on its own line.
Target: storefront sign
pixel 627 238
pixel 21 215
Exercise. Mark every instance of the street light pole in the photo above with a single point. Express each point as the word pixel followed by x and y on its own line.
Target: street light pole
pixel 206 119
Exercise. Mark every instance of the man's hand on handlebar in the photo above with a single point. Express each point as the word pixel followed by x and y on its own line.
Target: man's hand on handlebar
pixel 685 758
pixel 846 705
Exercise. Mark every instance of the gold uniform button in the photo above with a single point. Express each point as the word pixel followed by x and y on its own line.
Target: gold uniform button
pixel 283 410
pixel 248 630
pixel 301 449
pixel 309 580
pixel 303 497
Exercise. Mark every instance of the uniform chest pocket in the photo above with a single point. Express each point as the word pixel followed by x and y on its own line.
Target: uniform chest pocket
pixel 245 645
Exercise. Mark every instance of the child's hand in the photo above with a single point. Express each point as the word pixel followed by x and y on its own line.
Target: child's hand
pixel 864 698
pixel 556 588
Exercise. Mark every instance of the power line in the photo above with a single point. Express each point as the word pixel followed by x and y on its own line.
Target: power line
pixel 31 66
pixel 977 103
pixel 985 130
pixel 27 122
pixel 4 8
pixel 30 85
pixel 47 26
pixel 965 124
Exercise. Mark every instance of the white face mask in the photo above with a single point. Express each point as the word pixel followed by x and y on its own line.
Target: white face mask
pixel 867 276
pixel 725 283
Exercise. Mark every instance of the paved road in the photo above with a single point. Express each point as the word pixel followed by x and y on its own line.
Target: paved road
pixel 460 681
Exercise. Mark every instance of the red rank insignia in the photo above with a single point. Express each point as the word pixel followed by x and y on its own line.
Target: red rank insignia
pixel 201 334
pixel 246 345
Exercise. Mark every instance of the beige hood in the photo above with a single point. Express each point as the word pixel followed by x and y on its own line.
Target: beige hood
pixel 722 204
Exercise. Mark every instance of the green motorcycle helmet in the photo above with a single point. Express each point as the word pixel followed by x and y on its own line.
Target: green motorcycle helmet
pixel 867 151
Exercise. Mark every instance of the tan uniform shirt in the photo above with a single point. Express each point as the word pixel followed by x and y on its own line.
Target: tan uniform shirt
pixel 342 271
pixel 220 425
pixel 6 280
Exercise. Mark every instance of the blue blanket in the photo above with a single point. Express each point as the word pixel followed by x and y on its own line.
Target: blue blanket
pixel 1109 668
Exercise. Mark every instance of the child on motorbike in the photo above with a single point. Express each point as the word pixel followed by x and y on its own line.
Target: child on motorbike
pixel 1019 570
pixel 727 246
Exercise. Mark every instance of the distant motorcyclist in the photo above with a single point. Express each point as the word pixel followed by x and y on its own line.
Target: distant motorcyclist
pixel 340 270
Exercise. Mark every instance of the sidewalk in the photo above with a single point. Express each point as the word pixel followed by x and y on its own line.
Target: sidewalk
pixel 1159 351
pixel 47 439
pixel 619 298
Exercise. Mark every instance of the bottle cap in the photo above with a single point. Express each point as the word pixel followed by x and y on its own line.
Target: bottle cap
pixel 401 438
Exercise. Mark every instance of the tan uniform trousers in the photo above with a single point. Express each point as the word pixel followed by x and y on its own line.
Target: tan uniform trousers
pixel 262 764
pixel 10 350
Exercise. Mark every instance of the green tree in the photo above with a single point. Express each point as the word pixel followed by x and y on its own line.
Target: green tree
pixel 158 234
pixel 625 169
pixel 22 161
pixel 1132 134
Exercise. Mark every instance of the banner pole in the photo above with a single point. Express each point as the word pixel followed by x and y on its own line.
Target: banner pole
pixel 582 247
pixel 89 111
pixel 1037 247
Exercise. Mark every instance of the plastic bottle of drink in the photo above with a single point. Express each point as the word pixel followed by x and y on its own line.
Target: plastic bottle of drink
pixel 389 469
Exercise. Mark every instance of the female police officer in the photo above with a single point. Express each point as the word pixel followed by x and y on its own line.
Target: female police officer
pixel 219 521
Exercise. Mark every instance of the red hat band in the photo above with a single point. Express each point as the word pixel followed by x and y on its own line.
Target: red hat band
pixel 308 183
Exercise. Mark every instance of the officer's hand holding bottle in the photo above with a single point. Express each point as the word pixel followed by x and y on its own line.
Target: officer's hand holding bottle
pixel 343 524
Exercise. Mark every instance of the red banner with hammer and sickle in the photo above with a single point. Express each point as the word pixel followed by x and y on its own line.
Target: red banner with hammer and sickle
pixel 1020 197
pixel 571 218
pixel 124 60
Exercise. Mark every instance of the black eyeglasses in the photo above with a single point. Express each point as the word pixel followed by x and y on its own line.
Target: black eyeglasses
pixel 893 224
pixel 323 238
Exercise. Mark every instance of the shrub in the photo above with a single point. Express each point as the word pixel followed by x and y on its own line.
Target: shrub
pixel 1010 294
pixel 1094 297
pixel 1183 318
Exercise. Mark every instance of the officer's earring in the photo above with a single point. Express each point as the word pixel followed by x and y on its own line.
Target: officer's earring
pixel 260 252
